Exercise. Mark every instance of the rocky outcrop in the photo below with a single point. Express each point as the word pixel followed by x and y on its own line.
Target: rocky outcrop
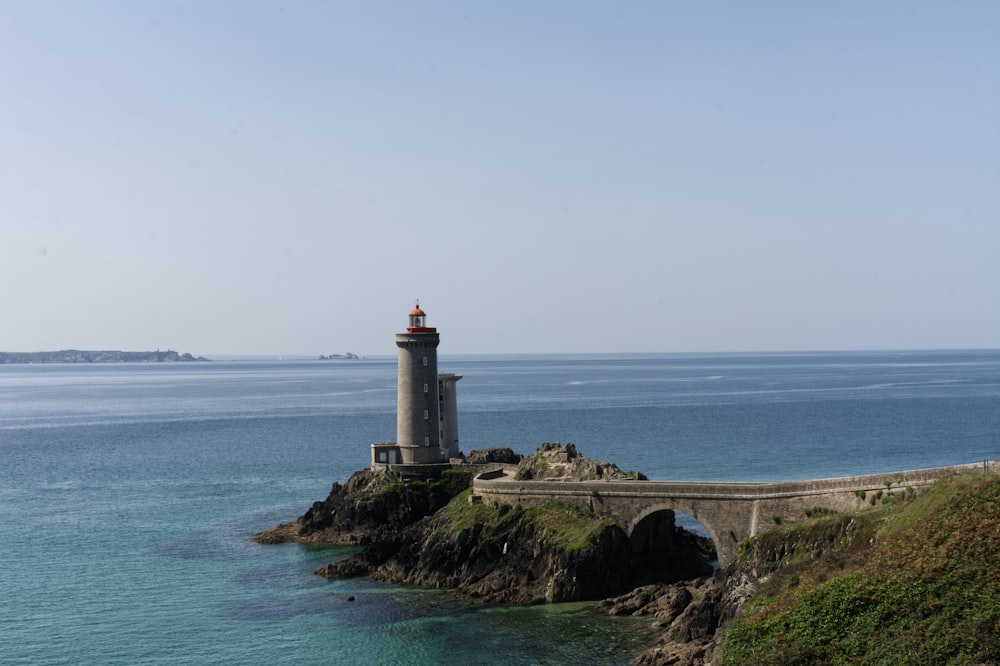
pixel 501 554
pixel 78 356
pixel 687 613
pixel 559 462
pixel 435 534
pixel 369 507
pixel 503 456
pixel 509 554
pixel 691 615
pixel 375 505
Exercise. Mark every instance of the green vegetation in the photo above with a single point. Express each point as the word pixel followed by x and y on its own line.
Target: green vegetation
pixel 800 543
pixel 571 529
pixel 818 511
pixel 913 582
pixel 461 515
pixel 385 499
pixel 887 496
pixel 421 493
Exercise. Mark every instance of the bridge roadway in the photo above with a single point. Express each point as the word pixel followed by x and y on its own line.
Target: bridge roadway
pixel 730 512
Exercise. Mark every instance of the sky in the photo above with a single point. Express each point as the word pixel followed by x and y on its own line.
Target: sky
pixel 289 177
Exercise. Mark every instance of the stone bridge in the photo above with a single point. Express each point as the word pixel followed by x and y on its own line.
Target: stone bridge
pixel 730 512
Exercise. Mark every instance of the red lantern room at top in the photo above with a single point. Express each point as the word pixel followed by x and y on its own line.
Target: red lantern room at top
pixel 418 319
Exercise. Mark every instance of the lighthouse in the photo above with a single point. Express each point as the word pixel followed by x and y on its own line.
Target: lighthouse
pixel 417 408
pixel 426 405
pixel 426 415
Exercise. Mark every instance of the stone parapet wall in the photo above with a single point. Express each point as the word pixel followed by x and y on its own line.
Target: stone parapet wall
pixel 723 490
pixel 731 512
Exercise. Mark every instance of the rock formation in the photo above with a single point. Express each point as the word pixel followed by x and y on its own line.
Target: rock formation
pixel 558 462
pixel 431 533
pixel 500 554
pixel 486 456
pixel 370 507
pixel 691 614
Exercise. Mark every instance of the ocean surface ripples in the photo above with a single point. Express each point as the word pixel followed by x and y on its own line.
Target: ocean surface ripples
pixel 128 494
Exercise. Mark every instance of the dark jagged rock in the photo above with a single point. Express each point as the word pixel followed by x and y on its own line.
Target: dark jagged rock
pixel 688 614
pixel 371 506
pixel 562 462
pixel 662 552
pixel 501 555
pixel 485 456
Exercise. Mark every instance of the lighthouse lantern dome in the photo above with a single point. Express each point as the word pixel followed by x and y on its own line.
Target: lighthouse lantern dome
pixel 417 317
pixel 418 321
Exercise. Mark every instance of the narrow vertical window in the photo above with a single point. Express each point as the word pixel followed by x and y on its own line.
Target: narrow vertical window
pixel 427 441
pixel 426 415
pixel 425 361
pixel 425 388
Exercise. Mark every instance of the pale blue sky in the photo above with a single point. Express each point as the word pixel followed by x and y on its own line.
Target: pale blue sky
pixel 251 177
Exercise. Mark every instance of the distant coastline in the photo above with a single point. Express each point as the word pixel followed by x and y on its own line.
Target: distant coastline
pixel 103 356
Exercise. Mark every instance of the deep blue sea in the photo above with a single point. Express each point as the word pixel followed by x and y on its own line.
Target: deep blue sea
pixel 129 493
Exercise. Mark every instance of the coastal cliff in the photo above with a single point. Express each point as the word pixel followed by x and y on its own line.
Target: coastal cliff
pixel 370 507
pixel 432 534
pixel 911 575
pixel 500 554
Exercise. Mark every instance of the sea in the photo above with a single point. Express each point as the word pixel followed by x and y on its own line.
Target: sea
pixel 129 493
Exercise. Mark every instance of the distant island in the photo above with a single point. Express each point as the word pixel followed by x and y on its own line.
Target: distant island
pixel 78 356
pixel 338 357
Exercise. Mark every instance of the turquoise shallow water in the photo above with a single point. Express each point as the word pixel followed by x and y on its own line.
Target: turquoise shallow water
pixel 128 493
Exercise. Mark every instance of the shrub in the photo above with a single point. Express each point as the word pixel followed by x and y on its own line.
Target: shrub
pixel 926 592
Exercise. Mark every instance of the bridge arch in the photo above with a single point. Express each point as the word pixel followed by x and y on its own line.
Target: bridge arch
pixel 689 508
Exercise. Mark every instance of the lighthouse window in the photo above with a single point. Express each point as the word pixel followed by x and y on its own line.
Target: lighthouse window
pixel 425 388
pixel 426 415
pixel 425 361
pixel 427 441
